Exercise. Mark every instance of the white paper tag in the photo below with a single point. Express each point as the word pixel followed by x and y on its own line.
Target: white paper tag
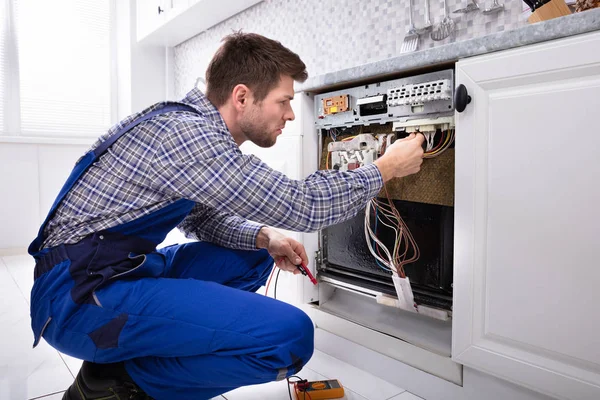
pixel 406 300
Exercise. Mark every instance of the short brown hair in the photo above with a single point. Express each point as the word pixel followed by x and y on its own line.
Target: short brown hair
pixel 253 60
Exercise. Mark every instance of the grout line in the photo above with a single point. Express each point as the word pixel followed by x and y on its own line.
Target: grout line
pixel 65 362
pixel 397 394
pixel 14 280
pixel 46 395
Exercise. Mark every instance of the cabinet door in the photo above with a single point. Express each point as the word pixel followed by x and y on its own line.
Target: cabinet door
pixel 150 14
pixel 527 267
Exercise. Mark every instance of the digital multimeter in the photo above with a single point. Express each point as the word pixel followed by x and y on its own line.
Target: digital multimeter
pixel 329 389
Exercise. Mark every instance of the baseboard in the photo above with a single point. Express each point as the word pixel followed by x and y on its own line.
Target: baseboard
pixel 13 251
pixel 378 355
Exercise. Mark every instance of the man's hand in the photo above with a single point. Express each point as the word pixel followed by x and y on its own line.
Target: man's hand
pixel 287 252
pixel 404 157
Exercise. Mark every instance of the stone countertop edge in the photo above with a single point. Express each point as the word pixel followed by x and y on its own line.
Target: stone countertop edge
pixel 574 24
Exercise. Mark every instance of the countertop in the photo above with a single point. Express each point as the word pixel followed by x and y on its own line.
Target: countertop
pixel 557 28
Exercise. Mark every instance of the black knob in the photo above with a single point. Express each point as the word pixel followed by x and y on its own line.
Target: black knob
pixel 160 10
pixel 461 98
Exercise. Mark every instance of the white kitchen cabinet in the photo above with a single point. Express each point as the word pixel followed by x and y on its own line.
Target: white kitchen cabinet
pixel 150 14
pixel 171 22
pixel 527 217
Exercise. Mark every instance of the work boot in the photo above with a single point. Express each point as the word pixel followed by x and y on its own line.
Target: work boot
pixel 106 382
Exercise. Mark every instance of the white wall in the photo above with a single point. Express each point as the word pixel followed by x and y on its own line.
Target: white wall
pixel 31 176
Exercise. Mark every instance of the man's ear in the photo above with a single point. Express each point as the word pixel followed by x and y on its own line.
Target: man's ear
pixel 241 96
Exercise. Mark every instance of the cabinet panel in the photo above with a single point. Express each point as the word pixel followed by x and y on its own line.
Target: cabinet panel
pixel 525 279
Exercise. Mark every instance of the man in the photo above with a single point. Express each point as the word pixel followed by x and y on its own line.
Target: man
pixel 183 322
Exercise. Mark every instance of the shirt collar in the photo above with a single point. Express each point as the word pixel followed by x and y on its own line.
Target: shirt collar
pixel 199 101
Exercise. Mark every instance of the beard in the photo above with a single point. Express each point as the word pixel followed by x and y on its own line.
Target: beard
pixel 257 131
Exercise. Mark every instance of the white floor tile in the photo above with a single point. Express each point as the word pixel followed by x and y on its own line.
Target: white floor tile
pixel 21 269
pixel 278 390
pixel 25 373
pixel 406 396
pixel 356 380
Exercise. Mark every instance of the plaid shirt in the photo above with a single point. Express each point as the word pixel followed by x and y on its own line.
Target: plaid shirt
pixel 193 156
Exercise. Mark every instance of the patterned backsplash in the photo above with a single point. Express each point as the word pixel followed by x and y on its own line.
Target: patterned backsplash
pixel 330 35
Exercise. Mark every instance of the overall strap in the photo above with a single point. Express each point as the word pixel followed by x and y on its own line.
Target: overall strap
pixel 86 161
pixel 161 110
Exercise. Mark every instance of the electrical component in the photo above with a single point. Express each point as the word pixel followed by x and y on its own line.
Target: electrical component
pixel 420 93
pixel 424 125
pixel 438 133
pixel 336 104
pixel 372 105
pixel 319 390
pixel 353 152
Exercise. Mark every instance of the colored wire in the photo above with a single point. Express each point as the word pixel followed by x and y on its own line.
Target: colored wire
pixel 276 279
pixel 405 249
pixel 269 281
pixel 379 264
pixel 446 139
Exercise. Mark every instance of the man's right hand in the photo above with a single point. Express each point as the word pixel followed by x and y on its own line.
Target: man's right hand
pixel 404 157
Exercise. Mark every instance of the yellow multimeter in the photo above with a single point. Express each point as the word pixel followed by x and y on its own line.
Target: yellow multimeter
pixel 329 389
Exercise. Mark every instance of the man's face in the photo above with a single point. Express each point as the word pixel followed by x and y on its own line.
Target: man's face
pixel 262 122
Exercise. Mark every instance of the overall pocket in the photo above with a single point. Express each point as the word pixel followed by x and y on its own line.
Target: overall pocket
pixel 40 318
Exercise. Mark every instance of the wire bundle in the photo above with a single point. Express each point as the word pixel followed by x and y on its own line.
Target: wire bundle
pixel 405 249
pixel 276 278
pixel 435 149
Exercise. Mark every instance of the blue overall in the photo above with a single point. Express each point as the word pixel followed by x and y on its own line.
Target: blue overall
pixel 183 318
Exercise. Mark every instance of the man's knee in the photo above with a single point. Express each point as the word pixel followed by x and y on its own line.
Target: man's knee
pixel 300 332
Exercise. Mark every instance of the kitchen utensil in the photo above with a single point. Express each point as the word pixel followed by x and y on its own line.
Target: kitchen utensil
pixel 471 7
pixel 428 25
pixel 495 8
pixel 549 9
pixel 445 28
pixel 530 4
pixel 411 39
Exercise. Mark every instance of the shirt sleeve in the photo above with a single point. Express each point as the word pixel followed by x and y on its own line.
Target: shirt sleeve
pixel 206 166
pixel 228 230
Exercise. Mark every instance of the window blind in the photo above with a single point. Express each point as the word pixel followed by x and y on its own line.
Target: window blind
pixel 64 50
